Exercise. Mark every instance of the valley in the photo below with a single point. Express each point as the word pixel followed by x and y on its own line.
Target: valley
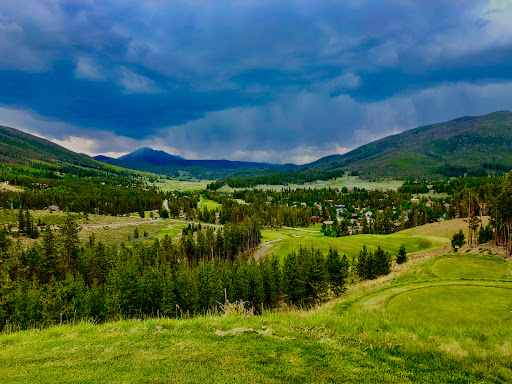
pixel 120 275
pixel 255 192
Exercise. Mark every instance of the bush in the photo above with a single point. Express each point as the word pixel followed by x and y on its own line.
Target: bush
pixel 458 240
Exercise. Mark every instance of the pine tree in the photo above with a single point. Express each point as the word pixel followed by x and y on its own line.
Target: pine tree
pixel 402 255
pixel 382 262
pixel 370 271
pixel 5 289
pixel 28 224
pixel 315 274
pixel 293 280
pixel 337 270
pixel 70 241
pixel 50 259
pixel 21 222
pixel 361 266
pixel 276 279
pixel 5 244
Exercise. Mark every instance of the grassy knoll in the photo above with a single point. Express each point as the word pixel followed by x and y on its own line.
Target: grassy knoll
pixel 110 230
pixel 346 341
pixel 116 234
pixel 11 188
pixel 10 216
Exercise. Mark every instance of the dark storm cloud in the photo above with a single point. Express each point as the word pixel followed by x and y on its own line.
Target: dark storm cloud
pixel 253 78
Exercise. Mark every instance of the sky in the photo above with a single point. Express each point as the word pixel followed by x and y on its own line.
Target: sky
pixel 257 80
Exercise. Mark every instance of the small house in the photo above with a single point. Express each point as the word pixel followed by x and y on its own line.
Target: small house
pixel 316 219
pixel 53 208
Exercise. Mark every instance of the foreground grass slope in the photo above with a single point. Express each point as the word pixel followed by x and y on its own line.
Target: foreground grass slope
pixel 374 334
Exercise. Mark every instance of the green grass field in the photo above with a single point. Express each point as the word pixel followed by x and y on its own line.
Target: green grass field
pixel 454 305
pixel 210 204
pixel 431 236
pixel 402 328
pixel 172 231
pixel 110 230
pixel 182 185
pixel 346 181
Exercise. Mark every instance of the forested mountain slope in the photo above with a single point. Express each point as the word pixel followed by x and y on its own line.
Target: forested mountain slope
pixel 17 147
pixel 470 144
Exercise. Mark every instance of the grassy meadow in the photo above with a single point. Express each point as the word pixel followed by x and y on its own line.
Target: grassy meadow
pixel 181 185
pixel 110 230
pixel 346 181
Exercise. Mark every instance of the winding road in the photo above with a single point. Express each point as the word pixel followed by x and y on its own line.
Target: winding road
pixel 264 247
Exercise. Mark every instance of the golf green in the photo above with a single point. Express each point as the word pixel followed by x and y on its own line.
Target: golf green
pixel 472 267
pixel 454 305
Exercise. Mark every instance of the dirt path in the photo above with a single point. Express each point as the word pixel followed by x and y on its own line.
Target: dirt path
pixel 264 248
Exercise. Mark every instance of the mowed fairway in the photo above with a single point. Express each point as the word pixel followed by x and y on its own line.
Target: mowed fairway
pixel 430 236
pixel 209 204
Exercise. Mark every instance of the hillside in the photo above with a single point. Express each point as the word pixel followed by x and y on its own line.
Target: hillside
pixel 17 147
pixel 471 144
pixel 150 160
pixel 27 160
pixel 417 325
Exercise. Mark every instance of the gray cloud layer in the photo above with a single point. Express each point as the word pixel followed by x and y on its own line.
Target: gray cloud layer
pixel 253 80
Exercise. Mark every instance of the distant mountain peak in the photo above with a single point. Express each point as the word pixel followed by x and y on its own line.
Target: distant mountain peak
pixel 151 155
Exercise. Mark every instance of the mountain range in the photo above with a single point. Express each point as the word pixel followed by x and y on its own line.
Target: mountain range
pixel 473 145
pixel 469 144
pixel 151 160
